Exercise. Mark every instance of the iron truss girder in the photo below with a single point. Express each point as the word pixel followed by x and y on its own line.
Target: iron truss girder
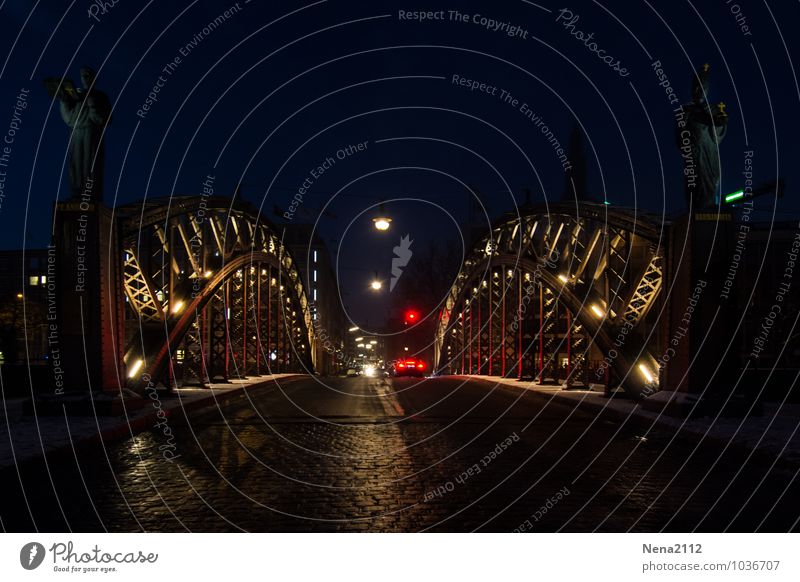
pixel 586 268
pixel 140 290
pixel 645 292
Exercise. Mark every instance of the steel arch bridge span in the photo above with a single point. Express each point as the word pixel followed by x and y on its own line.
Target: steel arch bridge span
pixel 560 294
pixel 210 292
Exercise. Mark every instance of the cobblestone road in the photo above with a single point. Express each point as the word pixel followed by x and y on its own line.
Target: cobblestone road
pixel 402 455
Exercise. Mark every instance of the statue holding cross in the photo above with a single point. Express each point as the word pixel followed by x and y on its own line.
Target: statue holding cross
pixel 701 129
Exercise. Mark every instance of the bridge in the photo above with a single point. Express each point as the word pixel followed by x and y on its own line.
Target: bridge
pixel 202 289
pixel 194 289
pixel 212 291
pixel 549 291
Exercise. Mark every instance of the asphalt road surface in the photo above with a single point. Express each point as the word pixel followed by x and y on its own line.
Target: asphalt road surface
pixel 404 454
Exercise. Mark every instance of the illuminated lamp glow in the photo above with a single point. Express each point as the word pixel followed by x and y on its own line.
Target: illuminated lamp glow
pixel 646 373
pixel 382 222
pixel 137 365
pixel 597 311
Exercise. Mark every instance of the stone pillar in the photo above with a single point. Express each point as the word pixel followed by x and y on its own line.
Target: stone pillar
pixel 700 320
pixel 90 315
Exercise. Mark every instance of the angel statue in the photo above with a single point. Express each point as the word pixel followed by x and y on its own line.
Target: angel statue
pixel 87 111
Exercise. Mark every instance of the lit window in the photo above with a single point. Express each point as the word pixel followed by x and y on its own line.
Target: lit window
pixel 315 275
pixel 33 280
pixel 315 294
pixel 44 279
pixel 315 256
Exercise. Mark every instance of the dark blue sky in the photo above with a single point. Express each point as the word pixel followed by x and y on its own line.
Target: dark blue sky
pixel 263 104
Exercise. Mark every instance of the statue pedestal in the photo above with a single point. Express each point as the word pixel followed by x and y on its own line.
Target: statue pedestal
pixel 701 356
pixel 89 323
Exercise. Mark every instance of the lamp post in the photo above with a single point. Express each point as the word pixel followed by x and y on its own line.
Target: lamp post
pixel 382 221
pixel 376 284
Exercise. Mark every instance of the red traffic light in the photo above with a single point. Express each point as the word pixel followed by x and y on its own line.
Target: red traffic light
pixel 411 316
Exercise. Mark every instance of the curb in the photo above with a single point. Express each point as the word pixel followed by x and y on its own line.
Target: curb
pixel 762 452
pixel 127 428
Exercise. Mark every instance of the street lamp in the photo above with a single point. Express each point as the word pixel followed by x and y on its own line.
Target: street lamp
pixel 382 221
pixel 376 284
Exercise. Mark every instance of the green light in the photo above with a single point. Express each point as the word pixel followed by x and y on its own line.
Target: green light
pixel 734 196
pixel 606 202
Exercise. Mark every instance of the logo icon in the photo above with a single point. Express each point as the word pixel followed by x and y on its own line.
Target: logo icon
pixel 31 555
pixel 402 254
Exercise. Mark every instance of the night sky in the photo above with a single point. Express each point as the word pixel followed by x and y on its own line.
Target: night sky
pixel 264 97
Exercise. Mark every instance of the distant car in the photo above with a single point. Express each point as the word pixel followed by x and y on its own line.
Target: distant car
pixel 409 367
pixel 351 372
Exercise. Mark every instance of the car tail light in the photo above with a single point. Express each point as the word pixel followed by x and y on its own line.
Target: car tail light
pixel 420 365
pixel 401 365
